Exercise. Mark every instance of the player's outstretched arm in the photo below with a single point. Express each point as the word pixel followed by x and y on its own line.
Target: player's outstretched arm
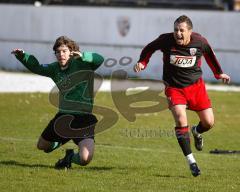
pixel 225 78
pixel 32 64
pixel 138 67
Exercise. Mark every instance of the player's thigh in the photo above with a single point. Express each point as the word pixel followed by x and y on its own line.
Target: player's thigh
pixel 43 144
pixel 206 117
pixel 179 115
pixel 86 149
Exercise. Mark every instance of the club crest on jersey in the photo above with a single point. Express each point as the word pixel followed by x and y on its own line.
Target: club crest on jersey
pixel 193 51
pixel 123 24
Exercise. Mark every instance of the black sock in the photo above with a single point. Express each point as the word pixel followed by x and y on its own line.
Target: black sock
pixel 183 138
pixel 200 129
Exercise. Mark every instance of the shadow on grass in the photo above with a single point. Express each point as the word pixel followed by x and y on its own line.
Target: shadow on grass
pixel 170 176
pixel 100 168
pixel 15 163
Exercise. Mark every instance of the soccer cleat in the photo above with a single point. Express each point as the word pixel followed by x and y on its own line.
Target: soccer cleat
pixel 198 140
pixel 194 169
pixel 66 161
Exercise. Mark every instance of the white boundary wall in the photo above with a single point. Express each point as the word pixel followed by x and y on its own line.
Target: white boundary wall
pixel 96 29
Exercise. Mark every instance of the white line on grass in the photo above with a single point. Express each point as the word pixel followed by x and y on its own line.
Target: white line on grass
pixel 12 139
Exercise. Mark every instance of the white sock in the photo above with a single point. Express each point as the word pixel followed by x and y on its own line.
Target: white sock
pixel 190 159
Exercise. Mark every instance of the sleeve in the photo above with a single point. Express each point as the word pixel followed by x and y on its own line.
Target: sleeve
pixel 32 64
pixel 94 59
pixel 211 59
pixel 149 49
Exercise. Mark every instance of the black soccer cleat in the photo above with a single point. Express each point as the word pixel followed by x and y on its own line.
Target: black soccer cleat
pixel 198 140
pixel 194 169
pixel 66 161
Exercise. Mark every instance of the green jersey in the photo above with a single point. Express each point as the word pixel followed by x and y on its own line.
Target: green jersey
pixel 75 83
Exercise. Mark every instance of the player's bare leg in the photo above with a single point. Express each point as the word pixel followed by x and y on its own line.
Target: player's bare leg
pixel 86 150
pixel 180 115
pixel 182 134
pixel 207 119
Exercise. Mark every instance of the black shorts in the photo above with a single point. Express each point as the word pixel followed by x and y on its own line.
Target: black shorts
pixel 64 127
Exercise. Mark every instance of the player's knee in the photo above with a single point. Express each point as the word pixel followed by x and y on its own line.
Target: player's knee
pixel 210 124
pixel 42 147
pixel 85 159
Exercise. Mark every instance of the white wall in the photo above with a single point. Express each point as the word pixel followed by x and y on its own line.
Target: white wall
pixel 36 28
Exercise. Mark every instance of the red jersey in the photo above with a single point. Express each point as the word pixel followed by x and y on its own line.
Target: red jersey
pixel 182 64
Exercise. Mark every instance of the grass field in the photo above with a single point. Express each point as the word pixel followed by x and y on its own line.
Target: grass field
pixel 127 157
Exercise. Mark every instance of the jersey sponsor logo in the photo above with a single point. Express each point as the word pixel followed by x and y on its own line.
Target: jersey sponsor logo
pixel 193 51
pixel 182 61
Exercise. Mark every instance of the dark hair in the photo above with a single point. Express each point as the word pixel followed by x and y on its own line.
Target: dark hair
pixel 184 18
pixel 64 40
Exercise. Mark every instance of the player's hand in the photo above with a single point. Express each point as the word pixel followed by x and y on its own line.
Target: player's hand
pixel 138 67
pixel 225 78
pixel 76 54
pixel 17 52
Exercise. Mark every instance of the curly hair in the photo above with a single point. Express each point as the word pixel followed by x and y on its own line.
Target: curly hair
pixel 64 40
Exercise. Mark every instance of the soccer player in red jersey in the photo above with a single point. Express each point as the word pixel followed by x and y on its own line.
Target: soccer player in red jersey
pixel 184 86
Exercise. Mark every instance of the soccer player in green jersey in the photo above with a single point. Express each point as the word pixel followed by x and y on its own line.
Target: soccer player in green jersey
pixel 73 75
